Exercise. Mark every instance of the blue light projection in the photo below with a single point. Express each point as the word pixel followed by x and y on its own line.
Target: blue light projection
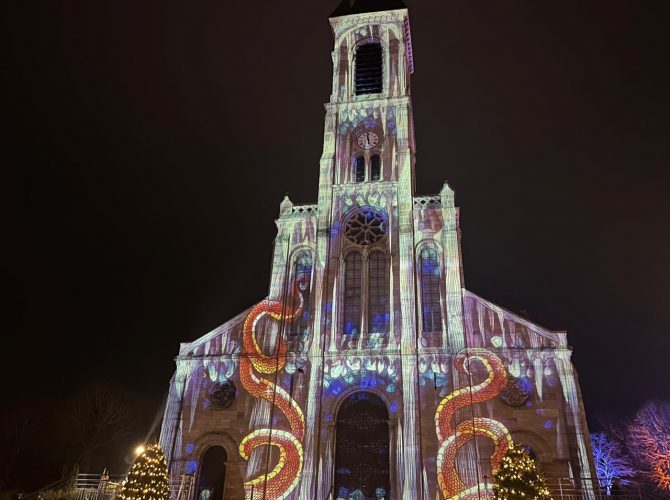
pixel 371 373
pixel 191 466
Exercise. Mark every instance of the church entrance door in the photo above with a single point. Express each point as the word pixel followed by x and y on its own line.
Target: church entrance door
pixel 362 449
pixel 212 477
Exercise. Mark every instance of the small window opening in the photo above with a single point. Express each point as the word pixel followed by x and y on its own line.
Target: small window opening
pixel 359 171
pixel 368 78
pixel 375 168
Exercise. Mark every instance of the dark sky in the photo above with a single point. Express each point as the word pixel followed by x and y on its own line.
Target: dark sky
pixel 153 141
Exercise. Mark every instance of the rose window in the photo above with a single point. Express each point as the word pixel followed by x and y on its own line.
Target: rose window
pixel 222 394
pixel 365 227
pixel 516 392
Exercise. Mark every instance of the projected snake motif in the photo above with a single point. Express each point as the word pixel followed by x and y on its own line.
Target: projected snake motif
pixel 280 481
pixel 452 439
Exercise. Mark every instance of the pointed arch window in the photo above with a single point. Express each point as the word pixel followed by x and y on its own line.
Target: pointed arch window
pixel 368 75
pixel 359 169
pixel 302 274
pixel 353 275
pixel 429 269
pixel 378 300
pixel 375 168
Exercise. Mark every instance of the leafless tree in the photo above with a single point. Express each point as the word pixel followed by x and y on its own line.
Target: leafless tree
pixel 610 460
pixel 96 419
pixel 649 441
pixel 15 427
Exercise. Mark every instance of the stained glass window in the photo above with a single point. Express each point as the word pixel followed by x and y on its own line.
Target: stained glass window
pixel 430 290
pixel 353 267
pixel 378 310
pixel 365 227
pixel 302 274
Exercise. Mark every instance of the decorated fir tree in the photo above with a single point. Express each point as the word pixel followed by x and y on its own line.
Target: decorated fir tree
pixel 148 477
pixel 518 478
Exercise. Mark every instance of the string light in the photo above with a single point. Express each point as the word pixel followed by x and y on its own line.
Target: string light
pixel 148 477
pixel 518 477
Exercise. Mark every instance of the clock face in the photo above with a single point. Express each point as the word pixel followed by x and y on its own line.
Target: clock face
pixel 368 140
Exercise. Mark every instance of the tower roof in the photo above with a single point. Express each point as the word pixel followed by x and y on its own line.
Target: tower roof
pixel 348 7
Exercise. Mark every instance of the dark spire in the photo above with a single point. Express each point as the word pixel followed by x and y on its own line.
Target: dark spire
pixel 348 7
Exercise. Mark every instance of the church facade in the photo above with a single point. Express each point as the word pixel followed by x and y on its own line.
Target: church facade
pixel 370 371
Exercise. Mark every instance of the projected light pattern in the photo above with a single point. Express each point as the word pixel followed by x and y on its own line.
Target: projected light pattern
pixel 452 438
pixel 362 372
pixel 278 483
pixel 374 308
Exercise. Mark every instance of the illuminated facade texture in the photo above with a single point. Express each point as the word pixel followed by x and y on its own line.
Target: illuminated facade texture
pixel 369 371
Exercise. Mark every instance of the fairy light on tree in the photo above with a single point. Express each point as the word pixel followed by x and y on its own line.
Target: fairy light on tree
pixel 518 477
pixel 148 477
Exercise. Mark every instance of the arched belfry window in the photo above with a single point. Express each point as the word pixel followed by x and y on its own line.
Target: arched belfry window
pixel 353 274
pixel 375 168
pixel 302 274
pixel 362 448
pixel 368 76
pixel 212 474
pixel 378 294
pixel 429 269
pixel 359 169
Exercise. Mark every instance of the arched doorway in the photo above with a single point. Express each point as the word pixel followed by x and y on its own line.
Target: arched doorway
pixel 212 477
pixel 362 449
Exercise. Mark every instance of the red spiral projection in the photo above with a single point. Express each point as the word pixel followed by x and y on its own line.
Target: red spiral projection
pixel 278 483
pixel 452 439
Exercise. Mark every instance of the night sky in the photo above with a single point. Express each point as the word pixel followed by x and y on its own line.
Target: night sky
pixel 152 143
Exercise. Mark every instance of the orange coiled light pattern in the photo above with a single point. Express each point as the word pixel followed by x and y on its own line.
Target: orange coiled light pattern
pixel 280 481
pixel 452 439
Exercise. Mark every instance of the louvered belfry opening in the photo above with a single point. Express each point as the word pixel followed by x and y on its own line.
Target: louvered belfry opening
pixel 369 68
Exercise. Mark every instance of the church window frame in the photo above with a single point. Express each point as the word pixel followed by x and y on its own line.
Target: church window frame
pixel 300 328
pixel 373 289
pixel 375 167
pixel 352 294
pixel 378 310
pixel 367 167
pixel 430 295
pixel 200 473
pixel 359 169
pixel 369 82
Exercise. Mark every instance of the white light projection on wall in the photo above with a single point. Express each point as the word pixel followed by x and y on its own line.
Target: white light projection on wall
pixel 458 377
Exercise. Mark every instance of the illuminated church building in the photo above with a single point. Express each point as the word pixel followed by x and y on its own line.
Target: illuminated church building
pixel 369 371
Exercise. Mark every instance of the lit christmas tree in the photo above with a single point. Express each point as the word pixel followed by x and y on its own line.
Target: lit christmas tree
pixel 148 478
pixel 518 477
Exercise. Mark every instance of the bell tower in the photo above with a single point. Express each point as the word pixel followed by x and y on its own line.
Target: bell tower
pixel 364 285
pixel 370 98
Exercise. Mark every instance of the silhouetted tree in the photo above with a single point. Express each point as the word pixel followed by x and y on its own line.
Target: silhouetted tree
pixel 96 419
pixel 16 425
